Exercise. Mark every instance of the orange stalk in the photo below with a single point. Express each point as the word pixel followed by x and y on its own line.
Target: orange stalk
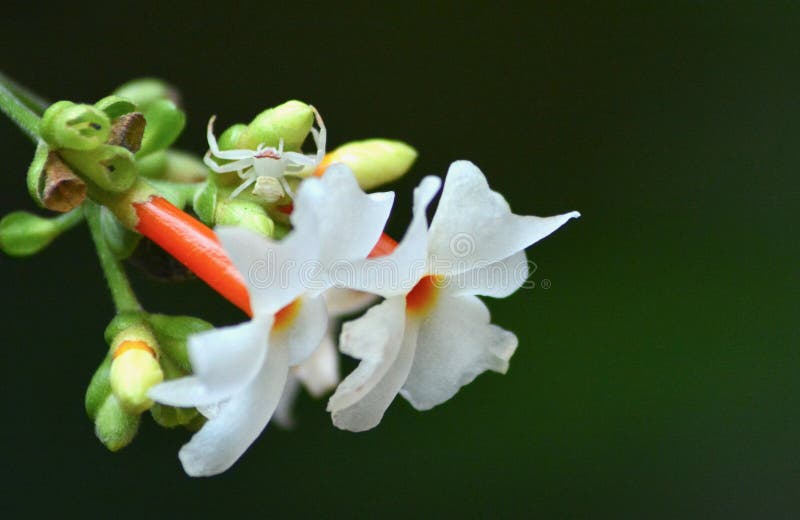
pixel 194 245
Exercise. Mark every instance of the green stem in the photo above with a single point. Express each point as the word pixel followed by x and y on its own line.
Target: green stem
pixel 20 114
pixel 68 220
pixel 34 102
pixel 121 291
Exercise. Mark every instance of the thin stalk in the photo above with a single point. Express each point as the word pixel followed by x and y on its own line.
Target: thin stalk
pixel 33 101
pixel 121 291
pixel 20 114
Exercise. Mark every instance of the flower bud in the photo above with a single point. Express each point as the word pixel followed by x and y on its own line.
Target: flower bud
pixel 249 215
pixel 25 234
pixel 374 161
pixel 134 371
pixel 165 122
pixel 172 166
pixel 114 426
pixel 74 127
pixel 112 168
pixel 145 91
pixel 205 202
pixel 229 139
pixel 291 121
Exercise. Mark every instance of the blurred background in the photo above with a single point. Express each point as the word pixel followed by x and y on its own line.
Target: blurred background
pixel 657 375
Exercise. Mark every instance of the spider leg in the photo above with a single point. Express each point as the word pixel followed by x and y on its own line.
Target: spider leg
pixel 299 158
pixel 232 167
pixel 243 186
pixel 287 188
pixel 223 154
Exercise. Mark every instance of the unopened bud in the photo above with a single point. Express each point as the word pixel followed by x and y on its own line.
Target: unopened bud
pixel 374 161
pixel 74 127
pixel 114 425
pixel 24 234
pixel 165 122
pixel 145 91
pixel 249 215
pixel 291 121
pixel 111 167
pixel 134 371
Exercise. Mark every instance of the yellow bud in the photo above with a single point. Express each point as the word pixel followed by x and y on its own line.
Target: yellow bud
pixel 134 371
pixel 374 162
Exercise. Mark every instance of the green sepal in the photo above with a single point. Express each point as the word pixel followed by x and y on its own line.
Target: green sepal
pixel 36 172
pixel 74 127
pixel 99 388
pixel 114 426
pixel 249 215
pixel 170 416
pixel 120 239
pixel 146 91
pixel 115 106
pixel 121 322
pixel 291 121
pixel 25 234
pixel 172 333
pixel 205 202
pixel 111 168
pixel 165 122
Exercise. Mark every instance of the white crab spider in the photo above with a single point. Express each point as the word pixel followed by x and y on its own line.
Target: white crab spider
pixel 264 161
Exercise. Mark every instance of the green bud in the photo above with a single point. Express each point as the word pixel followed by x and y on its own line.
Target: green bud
pixel 25 234
pixel 115 106
pixel 146 91
pixel 205 202
pixel 120 239
pixel 172 166
pixel 249 215
pixel 230 137
pixel 75 127
pixel 165 122
pixel 112 168
pixel 121 322
pixel 114 426
pixel 374 161
pixel 291 121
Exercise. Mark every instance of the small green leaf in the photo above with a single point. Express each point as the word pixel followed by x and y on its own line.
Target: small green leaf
pixel 115 427
pixel 36 172
pixel 120 239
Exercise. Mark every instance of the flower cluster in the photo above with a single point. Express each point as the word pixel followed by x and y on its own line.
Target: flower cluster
pixel 297 244
pixel 430 335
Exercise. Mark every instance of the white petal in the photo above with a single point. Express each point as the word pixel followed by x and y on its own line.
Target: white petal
pixel 224 361
pixel 303 332
pixel 456 343
pixel 350 221
pixel 341 302
pixel 498 279
pixel 398 272
pixel 284 413
pixel 474 226
pixel 276 273
pixel 384 342
pixel 238 422
pixel 320 372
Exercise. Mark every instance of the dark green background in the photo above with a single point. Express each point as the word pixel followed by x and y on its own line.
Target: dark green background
pixel 658 376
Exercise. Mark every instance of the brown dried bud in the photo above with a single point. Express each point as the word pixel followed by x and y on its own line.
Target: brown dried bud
pixel 127 131
pixel 60 189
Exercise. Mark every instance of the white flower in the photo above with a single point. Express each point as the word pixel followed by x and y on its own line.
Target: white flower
pixel 319 374
pixel 432 334
pixel 264 161
pixel 240 371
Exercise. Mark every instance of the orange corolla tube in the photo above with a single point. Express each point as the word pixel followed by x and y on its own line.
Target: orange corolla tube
pixel 196 246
